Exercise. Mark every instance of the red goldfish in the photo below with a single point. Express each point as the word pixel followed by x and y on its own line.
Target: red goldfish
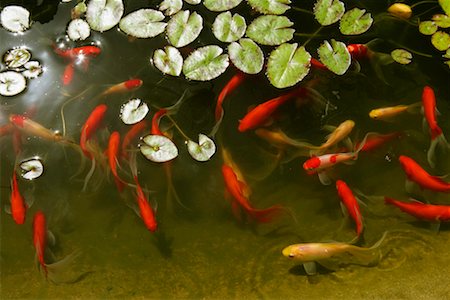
pixel 317 64
pixel 132 134
pixel 417 174
pixel 90 126
pixel 18 206
pixel 74 53
pixel 31 127
pixel 146 211
pixel 376 140
pixel 261 113
pixel 421 210
pixel 235 188
pixel 40 239
pixel 234 82
pixel 123 87
pixel 67 76
pixel 358 51
pixel 350 202
pixel 112 153
pixel 155 121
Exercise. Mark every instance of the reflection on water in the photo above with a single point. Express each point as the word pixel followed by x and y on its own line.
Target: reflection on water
pixel 200 249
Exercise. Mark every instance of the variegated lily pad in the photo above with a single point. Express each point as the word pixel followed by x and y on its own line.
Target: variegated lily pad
pixel 355 21
pixel 270 7
pixel 16 58
pixel 205 63
pixel 271 30
pixel 335 56
pixel 427 27
pixel 328 12
pixel 78 29
pixel 32 69
pixel 184 28
pixel 143 23
pixel 246 56
pixel 221 5
pixel 103 15
pixel 441 20
pixel 169 61
pixel 203 150
pixel 12 83
pixel 15 18
pixel 158 148
pixel 133 111
pixel 31 168
pixel 228 28
pixel 171 7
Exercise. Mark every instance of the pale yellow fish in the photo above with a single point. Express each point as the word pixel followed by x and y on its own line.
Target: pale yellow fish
pixel 340 133
pixel 384 113
pixel 279 139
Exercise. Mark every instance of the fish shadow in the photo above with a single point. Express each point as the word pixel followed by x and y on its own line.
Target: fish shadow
pixel 298 270
pixel 163 243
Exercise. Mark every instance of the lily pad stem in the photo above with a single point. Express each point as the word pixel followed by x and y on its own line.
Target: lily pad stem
pixel 177 127
pixel 302 10
pixel 312 36
pixel 411 50
pixel 422 2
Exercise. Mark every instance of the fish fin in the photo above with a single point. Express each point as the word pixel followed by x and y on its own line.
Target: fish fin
pixel 235 208
pixel 265 215
pixel 415 200
pixel 324 178
pixel 60 271
pixel 89 174
pixel 415 108
pixel 7 209
pixel 51 238
pixel 440 143
pixel 348 143
pixel 435 226
pixel 310 267
pixel 410 187
pixel 343 209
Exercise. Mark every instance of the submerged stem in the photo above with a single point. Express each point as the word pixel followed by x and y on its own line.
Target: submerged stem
pixel 177 127
pixel 422 2
pixel 312 36
pixel 411 50
pixel 302 10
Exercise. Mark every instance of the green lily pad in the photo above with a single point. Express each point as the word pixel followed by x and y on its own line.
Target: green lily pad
pixel 427 27
pixel 355 21
pixel 227 28
pixel 143 23
pixel 184 28
pixel 202 151
pixel 171 7
pixel 169 61
pixel 246 56
pixel 221 5
pixel 445 4
pixel 335 56
pixel 158 148
pixel 287 65
pixel 193 2
pixel 270 7
pixel 447 54
pixel 441 40
pixel 205 63
pixel 447 63
pixel 401 56
pixel 103 15
pixel 328 12
pixel 271 30
pixel 441 20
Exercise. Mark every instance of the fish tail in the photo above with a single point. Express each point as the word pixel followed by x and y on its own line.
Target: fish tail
pixel 440 142
pixel 265 215
pixel 59 271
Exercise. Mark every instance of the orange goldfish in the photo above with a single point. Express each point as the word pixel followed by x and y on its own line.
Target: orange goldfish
pixel 123 87
pixel 428 212
pixel 40 238
pixel 234 82
pixel 350 202
pixel 132 134
pixel 146 211
pixel 112 154
pixel 18 206
pixel 31 127
pixel 90 127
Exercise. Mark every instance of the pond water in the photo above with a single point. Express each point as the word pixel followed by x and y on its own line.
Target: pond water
pixel 201 249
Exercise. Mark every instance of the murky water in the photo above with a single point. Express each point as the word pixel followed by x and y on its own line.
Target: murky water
pixel 201 250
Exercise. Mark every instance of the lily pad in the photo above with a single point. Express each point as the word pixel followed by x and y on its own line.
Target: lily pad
pixel 193 2
pixel 143 23
pixel 355 21
pixel 32 69
pixel 401 56
pixel 335 56
pixel 16 58
pixel 103 15
pixel 205 63
pixel 427 27
pixel 287 65
pixel 328 12
pixel 158 148
pixel 202 151
pixel 169 61
pixel 227 28
pixel 31 168
pixel 15 18
pixel 400 10
pixel 246 56
pixel 184 28
pixel 270 7
pixel 221 5
pixel 171 7
pixel 78 29
pixel 12 83
pixel 133 111
pixel 271 30
pixel 441 40
pixel 447 54
pixel 445 4
pixel 441 20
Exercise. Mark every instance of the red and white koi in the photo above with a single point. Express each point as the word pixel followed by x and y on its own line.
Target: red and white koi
pixel 351 204
pixel 427 212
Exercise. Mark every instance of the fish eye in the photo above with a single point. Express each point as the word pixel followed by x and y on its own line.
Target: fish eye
pixel 291 255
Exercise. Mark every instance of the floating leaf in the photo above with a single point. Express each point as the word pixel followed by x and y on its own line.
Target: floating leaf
pixel 158 148
pixel 288 65
pixel 441 20
pixel 78 29
pixel 31 168
pixel 447 54
pixel 428 27
pixel 202 151
pixel 445 4
pixel 271 30
pixel 193 2
pixel 401 56
pixel 335 56
pixel 355 21
pixel 103 15
pixel 227 28
pixel 143 23
pixel 169 61
pixel 12 83
pixel 270 7
pixel 16 58
pixel 205 63
pixel 133 111
pixel 184 28
pixel 221 5
pixel 171 6
pixel 328 11
pixel 441 40
pixel 15 18
pixel 32 69
pixel 400 10
pixel 246 56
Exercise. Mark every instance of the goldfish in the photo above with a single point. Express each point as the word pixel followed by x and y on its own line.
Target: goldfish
pixel 359 51
pixel 146 211
pixel 132 134
pixel 375 140
pixel 385 113
pixel 235 188
pixel 68 73
pixel 350 202
pixel 317 64
pixel 279 139
pixel 428 212
pixel 90 127
pixel 74 53
pixel 6 129
pixel 18 205
pixel 155 121
pixel 234 82
pixel 339 133
pixel 262 112
pixel 123 87
pixel 323 253
pixel 112 153
pixel 418 175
